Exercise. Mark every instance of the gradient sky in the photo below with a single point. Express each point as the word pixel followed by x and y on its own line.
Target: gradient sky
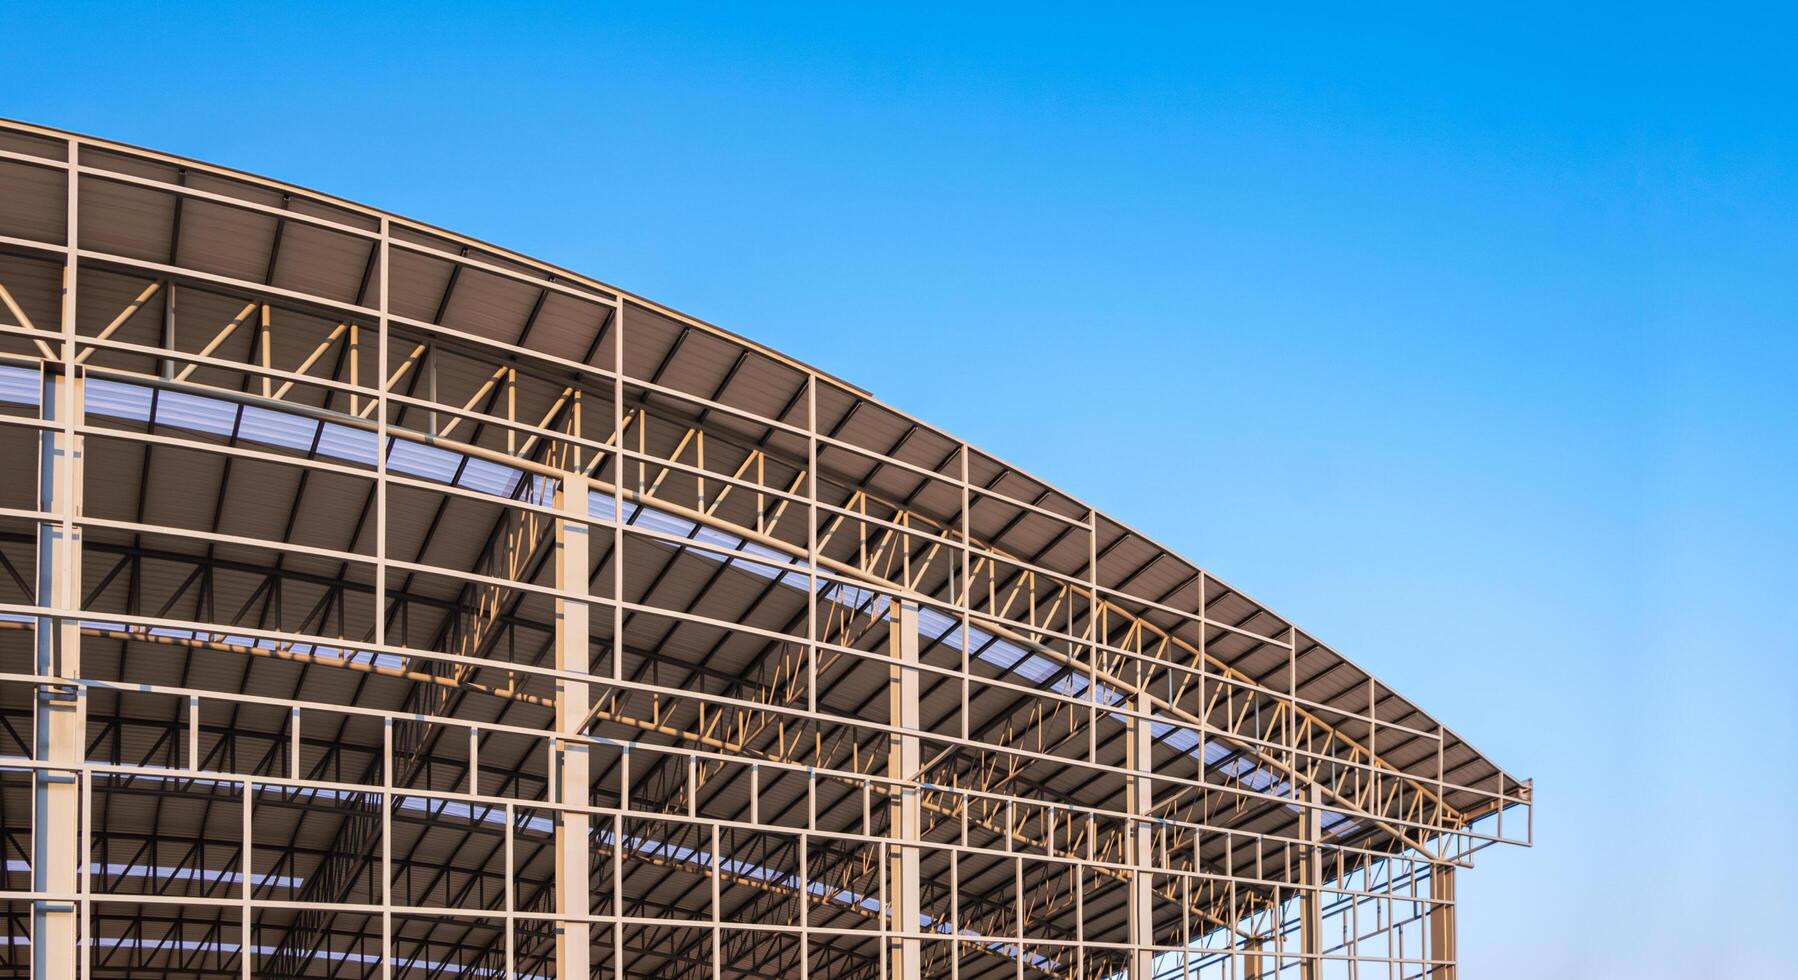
pixel 1468 342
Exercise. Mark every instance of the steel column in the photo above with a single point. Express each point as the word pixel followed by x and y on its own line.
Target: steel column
pixel 60 721
pixel 1311 879
pixel 60 713
pixel 904 951
pixel 1442 923
pixel 574 856
pixel 1141 803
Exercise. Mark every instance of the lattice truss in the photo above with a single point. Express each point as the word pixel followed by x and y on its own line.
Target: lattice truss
pixel 377 603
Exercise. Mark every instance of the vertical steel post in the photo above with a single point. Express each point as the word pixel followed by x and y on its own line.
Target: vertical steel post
pixel 904 952
pixel 573 843
pixel 1311 884
pixel 382 449
pixel 1442 923
pixel 60 710
pixel 1141 801
pixel 60 714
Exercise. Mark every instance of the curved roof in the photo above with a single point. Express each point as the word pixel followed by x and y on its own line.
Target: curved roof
pixel 146 215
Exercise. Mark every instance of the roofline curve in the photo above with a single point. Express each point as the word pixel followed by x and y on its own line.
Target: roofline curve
pixel 556 272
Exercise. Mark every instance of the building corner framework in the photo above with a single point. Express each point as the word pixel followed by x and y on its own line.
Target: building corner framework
pixel 387 603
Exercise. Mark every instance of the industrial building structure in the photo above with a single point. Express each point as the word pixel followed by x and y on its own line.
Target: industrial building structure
pixel 375 602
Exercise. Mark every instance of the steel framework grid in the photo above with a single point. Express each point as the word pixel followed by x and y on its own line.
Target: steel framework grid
pixel 383 603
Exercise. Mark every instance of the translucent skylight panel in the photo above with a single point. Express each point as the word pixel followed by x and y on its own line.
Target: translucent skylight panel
pixel 429 462
pixel 284 429
pixel 206 875
pixel 114 400
pixel 1178 737
pixel 200 414
pixel 493 478
pixel 344 443
pixel 1001 654
pixel 1037 669
pixel 19 385
pixel 664 523
pixel 939 625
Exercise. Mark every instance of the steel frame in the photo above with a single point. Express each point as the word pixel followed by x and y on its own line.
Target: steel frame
pixel 579 666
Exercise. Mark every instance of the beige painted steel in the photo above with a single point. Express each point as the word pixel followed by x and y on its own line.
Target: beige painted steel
pixel 753 759
pixel 1141 840
pixel 574 855
pixel 1442 924
pixel 906 950
pixel 60 721
pixel 1311 898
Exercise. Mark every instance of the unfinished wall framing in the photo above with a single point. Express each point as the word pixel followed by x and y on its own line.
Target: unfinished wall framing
pixel 375 602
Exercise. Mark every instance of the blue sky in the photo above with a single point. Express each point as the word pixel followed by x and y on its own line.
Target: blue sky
pixel 1467 341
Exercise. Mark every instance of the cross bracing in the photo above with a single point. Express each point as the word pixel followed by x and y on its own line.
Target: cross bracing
pixel 384 603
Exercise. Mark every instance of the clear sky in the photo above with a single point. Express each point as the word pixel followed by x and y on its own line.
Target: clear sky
pixel 1466 341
